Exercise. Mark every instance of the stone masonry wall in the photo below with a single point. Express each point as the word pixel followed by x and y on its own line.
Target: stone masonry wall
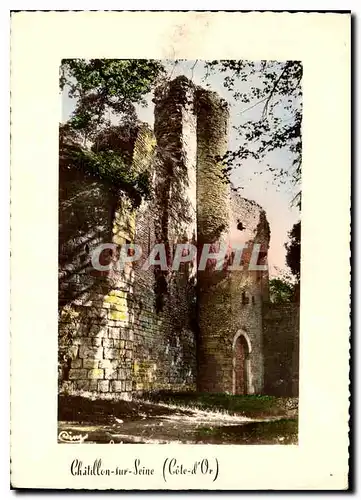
pixel 213 216
pixel 234 305
pixel 281 348
pixel 130 331
pixel 95 342
pixel 164 356
pixel 248 288
pixel 96 312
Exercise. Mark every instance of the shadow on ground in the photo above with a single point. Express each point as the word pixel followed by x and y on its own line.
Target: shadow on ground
pixel 85 410
pixel 250 406
pixel 180 418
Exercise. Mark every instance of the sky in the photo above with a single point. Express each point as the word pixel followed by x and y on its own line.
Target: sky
pixel 255 181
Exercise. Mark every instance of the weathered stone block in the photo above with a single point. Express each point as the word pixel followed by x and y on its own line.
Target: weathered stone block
pixel 103 386
pixel 118 315
pixel 118 293
pixel 108 342
pixel 105 363
pixel 121 374
pixel 98 331
pixel 76 374
pixel 114 333
pixel 112 299
pixel 112 323
pixel 110 374
pixel 111 353
pixel 110 363
pixel 119 307
pixel 100 314
pixel 90 363
pixel 82 385
pixel 90 352
pixel 93 385
pixel 117 386
pixel 96 373
pixel 76 363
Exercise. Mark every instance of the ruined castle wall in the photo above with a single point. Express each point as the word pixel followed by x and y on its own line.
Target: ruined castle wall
pixel 248 287
pixel 95 346
pixel 97 327
pixel 125 332
pixel 232 305
pixel 281 348
pixel 133 330
pixel 164 336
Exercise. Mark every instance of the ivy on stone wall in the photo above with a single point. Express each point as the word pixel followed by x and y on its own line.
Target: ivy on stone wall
pixel 111 167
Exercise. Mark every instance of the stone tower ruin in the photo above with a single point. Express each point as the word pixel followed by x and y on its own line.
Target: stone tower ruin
pixel 125 333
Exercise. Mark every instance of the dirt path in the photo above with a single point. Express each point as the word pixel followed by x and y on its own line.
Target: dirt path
pixel 160 423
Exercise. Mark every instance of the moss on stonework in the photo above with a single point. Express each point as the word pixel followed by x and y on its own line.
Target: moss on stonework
pixel 144 373
pixel 111 299
pixel 118 315
pixel 115 299
pixel 117 293
pixel 119 307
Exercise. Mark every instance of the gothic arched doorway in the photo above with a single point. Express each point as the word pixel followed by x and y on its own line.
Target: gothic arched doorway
pixel 241 364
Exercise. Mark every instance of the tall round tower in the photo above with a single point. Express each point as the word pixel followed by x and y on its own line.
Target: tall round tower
pixel 230 298
pixel 213 220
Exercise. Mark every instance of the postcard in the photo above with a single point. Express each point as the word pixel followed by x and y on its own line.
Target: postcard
pixel 178 282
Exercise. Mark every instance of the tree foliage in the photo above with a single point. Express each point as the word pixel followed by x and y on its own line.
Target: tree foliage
pixel 104 88
pixel 293 250
pixel 276 91
pixel 280 291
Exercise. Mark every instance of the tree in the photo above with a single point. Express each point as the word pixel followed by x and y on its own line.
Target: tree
pixel 276 89
pixel 280 291
pixel 102 87
pixel 293 250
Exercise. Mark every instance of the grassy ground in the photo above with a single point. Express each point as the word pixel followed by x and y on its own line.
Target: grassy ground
pixel 182 417
pixel 283 431
pixel 166 417
pixel 250 406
